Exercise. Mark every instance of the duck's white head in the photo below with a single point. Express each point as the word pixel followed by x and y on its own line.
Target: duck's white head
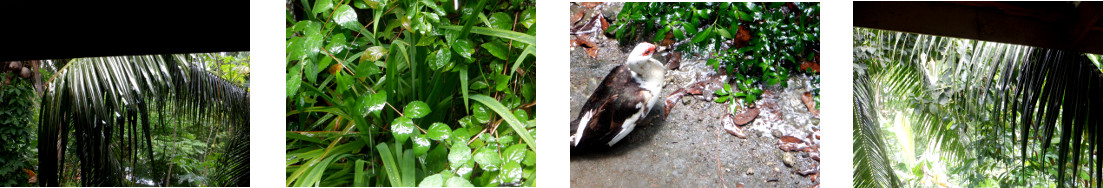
pixel 641 63
pixel 642 53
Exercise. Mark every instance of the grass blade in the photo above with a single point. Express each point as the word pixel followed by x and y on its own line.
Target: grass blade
pixel 389 164
pixel 508 117
pixel 512 35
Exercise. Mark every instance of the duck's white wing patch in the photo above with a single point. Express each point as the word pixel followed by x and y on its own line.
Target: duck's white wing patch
pixel 629 124
pixel 582 125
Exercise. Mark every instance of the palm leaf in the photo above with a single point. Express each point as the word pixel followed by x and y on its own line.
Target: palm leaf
pixel 972 100
pixel 101 99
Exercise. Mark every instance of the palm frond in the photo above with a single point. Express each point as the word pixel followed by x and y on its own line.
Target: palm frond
pixel 972 100
pixel 870 161
pixel 107 100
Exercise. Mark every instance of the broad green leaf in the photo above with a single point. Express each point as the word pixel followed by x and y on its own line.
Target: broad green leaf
pixel 360 5
pixel 530 158
pixel 346 17
pixel 416 109
pixel 521 114
pixel 402 128
pixel 441 60
pixel 337 43
pixel 433 5
pixel 373 54
pixel 488 159
pixel 458 181
pixel 459 154
pixel 724 91
pixel 481 113
pixel 702 35
pixel 467 121
pixel 724 33
pixel 501 20
pixel 378 101
pixel 479 84
pixel 528 18
pixel 529 174
pixel 427 40
pixel 421 144
pixel 436 180
pixel 679 34
pixel 294 82
pixel 514 153
pixel 312 44
pixel 659 36
pixel 437 159
pixel 690 28
pixel 722 99
pixel 376 4
pixel 366 69
pixel 463 47
pixel 439 131
pixel 496 48
pixel 461 135
pixel 322 6
pixel 528 91
pixel 501 82
pixel 511 172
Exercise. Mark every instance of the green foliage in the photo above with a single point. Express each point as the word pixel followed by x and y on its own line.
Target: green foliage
pixel 398 93
pixel 179 122
pixel 231 66
pixel 780 36
pixel 972 112
pixel 17 100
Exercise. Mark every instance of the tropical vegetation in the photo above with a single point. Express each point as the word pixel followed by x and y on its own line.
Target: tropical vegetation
pixel 942 111
pixel 145 120
pixel 411 93
pixel 756 44
pixel 18 155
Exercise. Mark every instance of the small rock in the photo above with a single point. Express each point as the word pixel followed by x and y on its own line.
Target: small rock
pixel 788 159
pixel 750 171
pixel 686 99
pixel 815 121
pixel 611 10
pixel 777 133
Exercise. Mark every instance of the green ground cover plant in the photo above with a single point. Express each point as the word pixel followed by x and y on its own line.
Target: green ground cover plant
pixel 411 93
pixel 756 44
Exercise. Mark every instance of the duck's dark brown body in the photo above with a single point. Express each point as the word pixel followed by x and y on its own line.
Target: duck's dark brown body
pixel 615 102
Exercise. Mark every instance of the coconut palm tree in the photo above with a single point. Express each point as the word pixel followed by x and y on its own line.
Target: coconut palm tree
pixel 974 112
pixel 110 105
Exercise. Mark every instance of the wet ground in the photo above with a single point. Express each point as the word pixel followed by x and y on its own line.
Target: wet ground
pixel 689 147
